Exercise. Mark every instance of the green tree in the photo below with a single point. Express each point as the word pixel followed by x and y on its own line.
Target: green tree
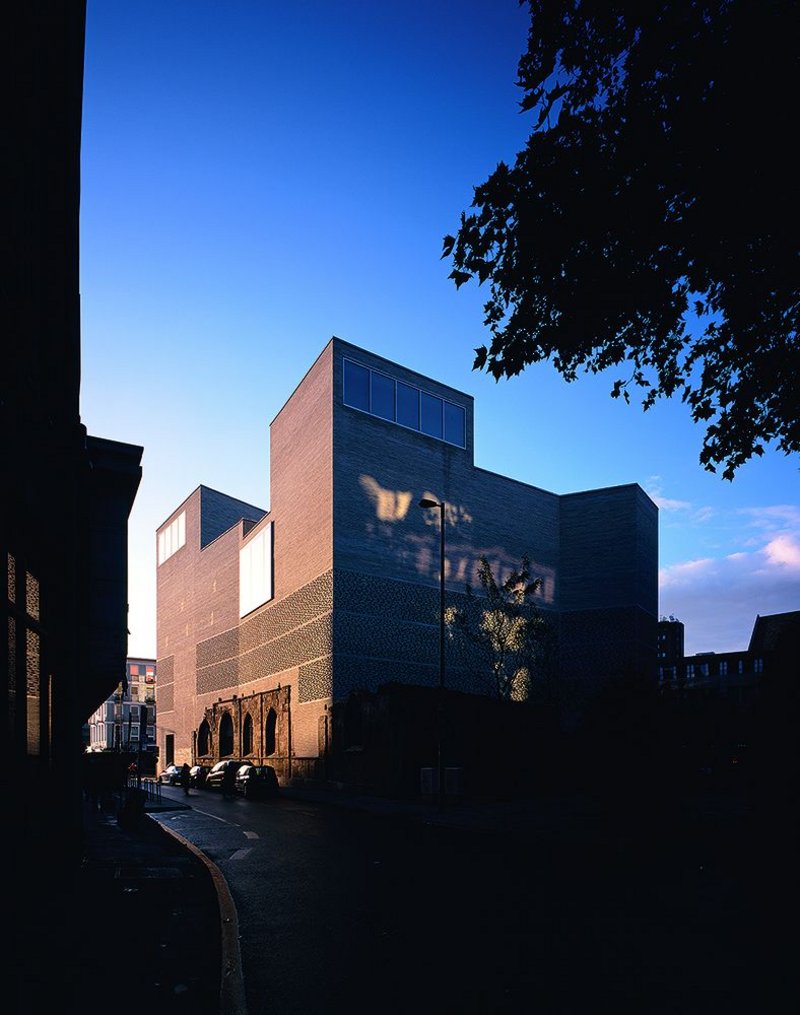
pixel 650 225
pixel 505 622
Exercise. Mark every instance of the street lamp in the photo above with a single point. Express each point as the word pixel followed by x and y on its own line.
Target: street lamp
pixel 426 502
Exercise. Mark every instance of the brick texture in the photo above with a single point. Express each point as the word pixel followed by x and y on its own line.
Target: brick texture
pixel 356 571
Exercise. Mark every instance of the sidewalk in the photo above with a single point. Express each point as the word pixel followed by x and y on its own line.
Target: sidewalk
pixel 137 929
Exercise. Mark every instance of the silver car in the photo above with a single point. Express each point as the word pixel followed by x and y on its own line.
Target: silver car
pixel 171 776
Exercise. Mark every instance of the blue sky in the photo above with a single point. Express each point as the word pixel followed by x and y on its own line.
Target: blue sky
pixel 259 176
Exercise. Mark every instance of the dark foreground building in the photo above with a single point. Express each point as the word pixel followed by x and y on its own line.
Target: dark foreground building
pixel 733 715
pixel 66 495
pixel 739 677
pixel 277 629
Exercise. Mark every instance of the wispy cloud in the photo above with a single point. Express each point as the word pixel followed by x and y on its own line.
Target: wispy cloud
pixel 775 516
pixel 686 572
pixel 654 492
pixel 784 551
pixel 666 504
pixel 718 597
pixel 673 505
pixel 704 514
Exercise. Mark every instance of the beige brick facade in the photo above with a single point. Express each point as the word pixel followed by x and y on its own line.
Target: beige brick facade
pixel 356 570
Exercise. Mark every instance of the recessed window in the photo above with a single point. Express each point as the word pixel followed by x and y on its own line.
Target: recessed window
pixel 247 735
pixel 431 415
pixel 380 395
pixel 255 572
pixel 356 385
pixel 407 405
pixel 172 538
pixel 454 424
pixel 270 741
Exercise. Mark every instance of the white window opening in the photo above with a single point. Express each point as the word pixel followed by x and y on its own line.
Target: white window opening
pixel 172 538
pixel 255 572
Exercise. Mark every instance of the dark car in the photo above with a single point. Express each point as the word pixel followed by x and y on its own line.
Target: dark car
pixel 217 772
pixel 197 776
pixel 256 782
pixel 171 776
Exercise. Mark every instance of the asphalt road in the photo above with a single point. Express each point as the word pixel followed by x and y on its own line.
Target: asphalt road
pixel 349 912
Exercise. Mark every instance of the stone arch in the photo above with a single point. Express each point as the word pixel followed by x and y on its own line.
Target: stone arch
pixel 205 740
pixel 225 735
pixel 270 724
pixel 247 735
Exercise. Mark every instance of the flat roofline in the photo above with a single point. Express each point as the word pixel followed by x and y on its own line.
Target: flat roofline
pixel 561 496
pixel 356 349
pixel 517 482
pixel 392 363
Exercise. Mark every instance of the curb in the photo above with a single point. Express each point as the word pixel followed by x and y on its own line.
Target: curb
pixel 231 991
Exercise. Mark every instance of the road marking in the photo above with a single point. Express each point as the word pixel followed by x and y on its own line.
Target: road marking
pixel 252 835
pixel 216 817
pixel 239 854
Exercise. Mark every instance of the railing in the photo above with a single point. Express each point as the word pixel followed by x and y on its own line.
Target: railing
pixel 152 787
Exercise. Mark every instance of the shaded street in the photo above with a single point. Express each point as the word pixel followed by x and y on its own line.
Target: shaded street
pixel 346 911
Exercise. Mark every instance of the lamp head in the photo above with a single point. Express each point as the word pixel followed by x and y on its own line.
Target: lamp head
pixel 426 502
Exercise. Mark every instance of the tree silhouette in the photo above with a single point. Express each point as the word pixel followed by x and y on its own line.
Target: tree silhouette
pixel 650 225
pixel 506 623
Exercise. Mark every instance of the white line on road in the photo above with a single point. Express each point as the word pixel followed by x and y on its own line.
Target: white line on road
pixel 216 817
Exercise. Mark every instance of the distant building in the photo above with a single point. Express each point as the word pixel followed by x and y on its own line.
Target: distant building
pixel 736 676
pixel 670 649
pixel 126 721
pixel 270 621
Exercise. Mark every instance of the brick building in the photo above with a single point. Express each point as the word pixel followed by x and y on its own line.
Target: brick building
pixel 268 621
pixel 126 721
pixel 736 676
pixel 66 494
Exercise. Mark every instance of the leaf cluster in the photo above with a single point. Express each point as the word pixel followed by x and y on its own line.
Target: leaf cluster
pixel 504 621
pixel 650 224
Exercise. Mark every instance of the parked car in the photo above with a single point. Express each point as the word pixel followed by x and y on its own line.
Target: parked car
pixel 171 776
pixel 217 772
pixel 197 776
pixel 256 782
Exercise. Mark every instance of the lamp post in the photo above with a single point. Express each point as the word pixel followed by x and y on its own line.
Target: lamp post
pixel 426 502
